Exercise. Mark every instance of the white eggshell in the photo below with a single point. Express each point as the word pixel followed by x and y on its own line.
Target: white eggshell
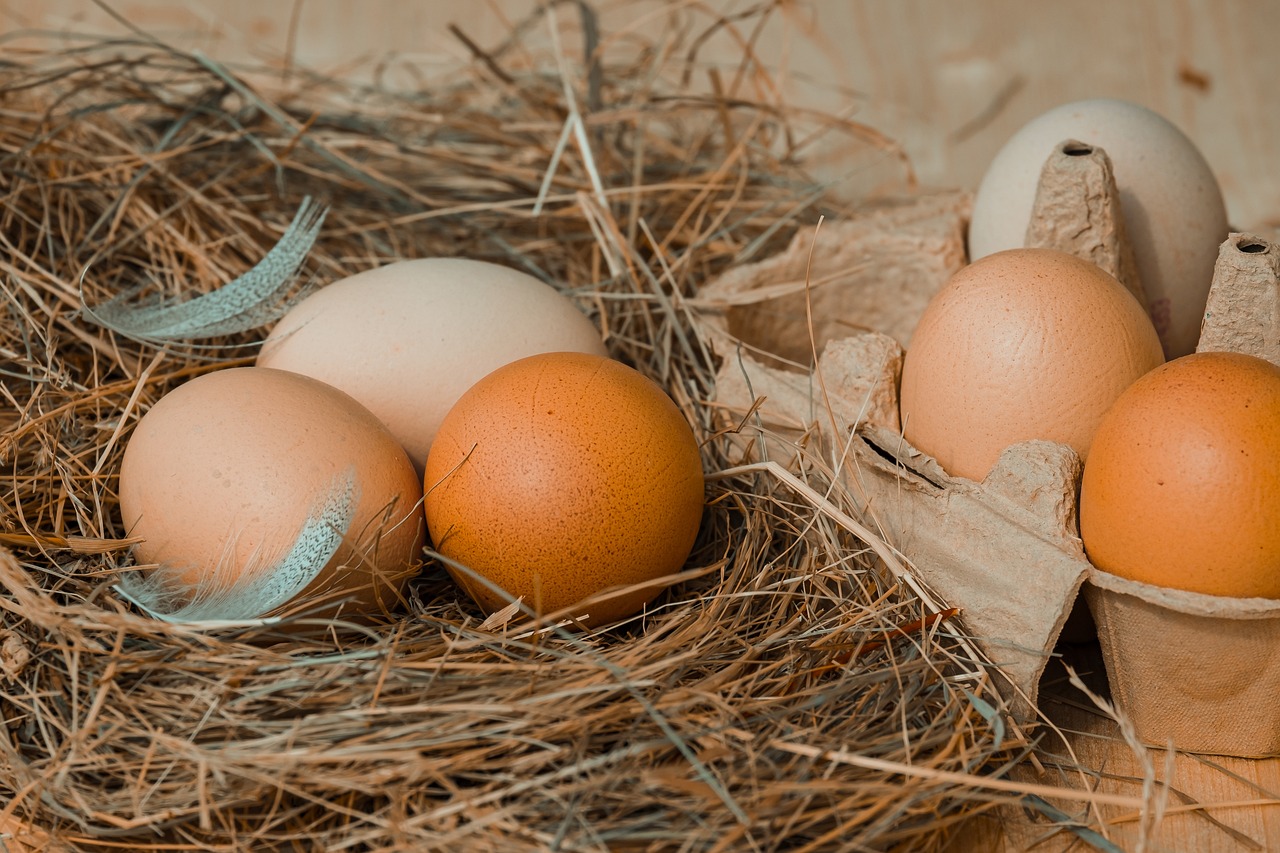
pixel 1172 205
pixel 408 339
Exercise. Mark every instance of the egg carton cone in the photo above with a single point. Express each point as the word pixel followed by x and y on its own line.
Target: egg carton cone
pixel 1202 671
pixel 1077 210
pixel 1243 310
pixel 1005 551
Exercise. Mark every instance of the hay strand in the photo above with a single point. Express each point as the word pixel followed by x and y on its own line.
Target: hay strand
pixel 726 717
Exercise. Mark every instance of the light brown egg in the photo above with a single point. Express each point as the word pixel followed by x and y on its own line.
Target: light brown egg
pixel 246 482
pixel 1023 344
pixel 562 475
pixel 407 339
pixel 1182 488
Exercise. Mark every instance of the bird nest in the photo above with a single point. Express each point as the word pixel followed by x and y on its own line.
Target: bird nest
pixel 788 691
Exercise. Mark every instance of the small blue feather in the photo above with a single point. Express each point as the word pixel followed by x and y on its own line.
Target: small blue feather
pixel 252 300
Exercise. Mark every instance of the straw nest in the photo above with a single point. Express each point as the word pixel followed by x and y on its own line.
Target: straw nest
pixel 786 693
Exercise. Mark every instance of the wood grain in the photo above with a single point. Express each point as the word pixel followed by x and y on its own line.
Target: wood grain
pixel 949 81
pixel 1204 814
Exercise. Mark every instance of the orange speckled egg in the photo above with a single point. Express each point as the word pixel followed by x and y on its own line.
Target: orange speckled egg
pixel 1023 344
pixel 562 475
pixel 1182 488
pixel 252 488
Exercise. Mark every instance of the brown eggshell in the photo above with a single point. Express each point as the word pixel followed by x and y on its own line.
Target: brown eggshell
pixel 222 474
pixel 1182 487
pixel 407 339
pixel 562 475
pixel 1023 344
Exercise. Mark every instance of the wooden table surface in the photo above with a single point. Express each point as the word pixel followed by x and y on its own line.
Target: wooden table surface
pixel 1204 813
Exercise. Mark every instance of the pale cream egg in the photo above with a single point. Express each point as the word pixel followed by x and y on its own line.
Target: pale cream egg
pixel 1172 206
pixel 409 338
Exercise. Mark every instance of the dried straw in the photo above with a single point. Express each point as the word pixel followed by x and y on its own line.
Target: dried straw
pixel 787 693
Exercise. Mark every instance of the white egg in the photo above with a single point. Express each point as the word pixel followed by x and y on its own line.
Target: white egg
pixel 1171 202
pixel 408 339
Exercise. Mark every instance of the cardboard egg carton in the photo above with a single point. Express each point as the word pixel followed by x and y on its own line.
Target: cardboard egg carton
pixel 1005 551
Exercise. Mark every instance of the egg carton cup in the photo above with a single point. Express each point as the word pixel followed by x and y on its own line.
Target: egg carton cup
pixel 851 291
pixel 1005 551
pixel 1201 672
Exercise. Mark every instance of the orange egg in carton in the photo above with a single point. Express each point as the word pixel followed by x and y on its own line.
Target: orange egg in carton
pixel 1199 671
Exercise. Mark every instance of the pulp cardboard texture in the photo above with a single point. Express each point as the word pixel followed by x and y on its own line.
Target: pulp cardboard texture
pixel 1201 672
pixel 861 378
pixel 873 272
pixel 1004 551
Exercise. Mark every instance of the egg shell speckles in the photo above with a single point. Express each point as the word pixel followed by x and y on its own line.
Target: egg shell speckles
pixel 1171 202
pixel 222 473
pixel 1024 344
pixel 407 339
pixel 1182 488
pixel 562 475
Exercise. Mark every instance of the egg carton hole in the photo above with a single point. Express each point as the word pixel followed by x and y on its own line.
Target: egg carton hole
pixel 1252 247
pixel 1076 149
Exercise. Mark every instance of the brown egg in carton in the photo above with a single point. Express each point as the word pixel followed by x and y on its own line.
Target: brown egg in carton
pixel 1200 671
